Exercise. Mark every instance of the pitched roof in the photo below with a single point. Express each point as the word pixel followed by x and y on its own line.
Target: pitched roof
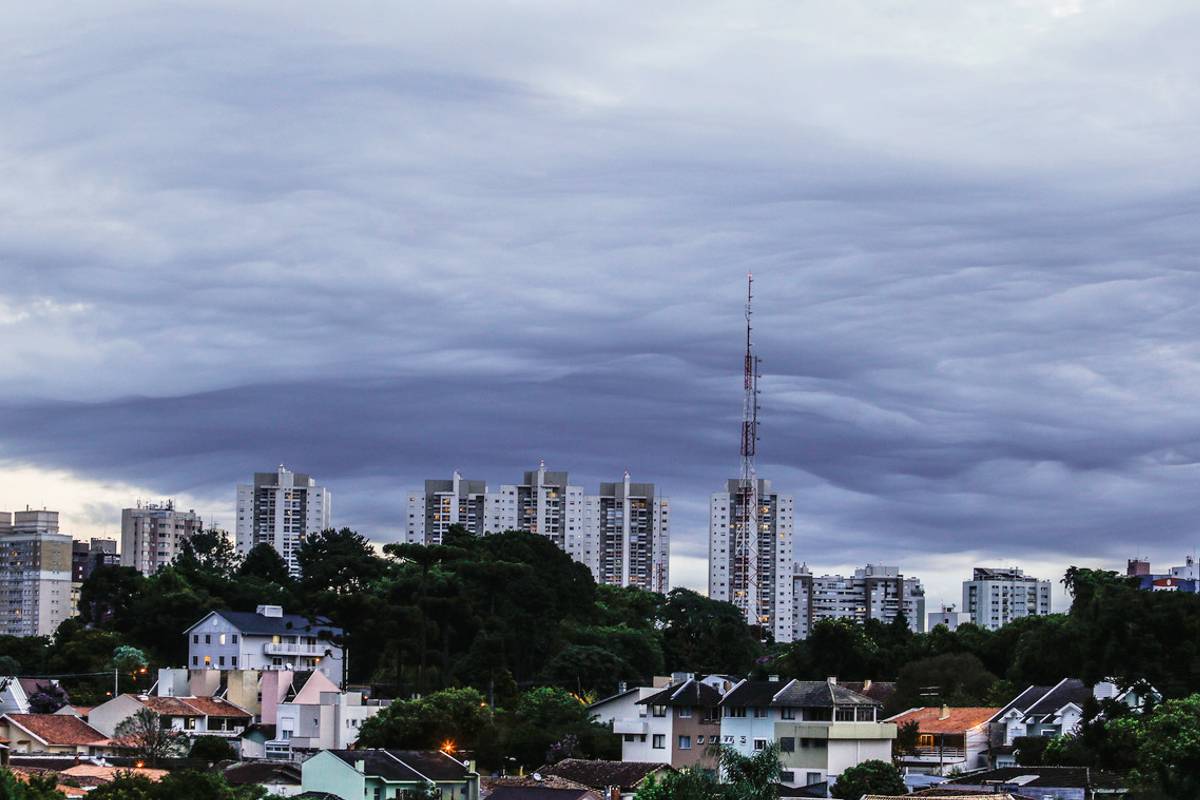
pixel 1047 777
pixel 612 697
pixel 958 720
pixel 216 707
pixel 879 691
pixel 1069 690
pixel 1024 700
pixel 57 729
pixel 406 766
pixel 509 792
pixel 249 772
pixel 794 693
pixel 94 775
pixel 190 706
pixel 602 774
pixel 251 622
pixel 689 694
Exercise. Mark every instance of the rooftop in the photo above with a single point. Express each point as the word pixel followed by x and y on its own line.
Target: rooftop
pixel 57 729
pixel 602 774
pixel 957 720
pixel 794 693
pixel 690 694
pixel 1038 777
pixel 261 624
pixel 405 765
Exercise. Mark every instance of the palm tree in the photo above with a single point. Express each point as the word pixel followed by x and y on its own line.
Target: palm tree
pixel 753 777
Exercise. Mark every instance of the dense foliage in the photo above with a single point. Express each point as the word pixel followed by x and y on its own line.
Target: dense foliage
pixel 754 777
pixel 869 777
pixel 186 785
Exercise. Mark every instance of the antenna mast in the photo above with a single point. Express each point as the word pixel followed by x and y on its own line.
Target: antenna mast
pixel 746 536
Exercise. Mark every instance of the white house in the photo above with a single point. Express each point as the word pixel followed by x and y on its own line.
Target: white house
pixel 195 716
pixel 267 639
pixel 316 719
pixel 822 728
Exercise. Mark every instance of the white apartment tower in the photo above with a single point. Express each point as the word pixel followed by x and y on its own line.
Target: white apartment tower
pixel 872 592
pixel 152 535
pixel 444 503
pixel 995 597
pixel 755 574
pixel 627 539
pixel 280 508
pixel 35 573
pixel 543 503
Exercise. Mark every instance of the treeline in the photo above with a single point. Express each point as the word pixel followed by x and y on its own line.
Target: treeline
pixel 509 612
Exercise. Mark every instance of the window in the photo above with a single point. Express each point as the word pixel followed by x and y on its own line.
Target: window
pixel 735 712
pixel 195 638
pixel 845 714
pixel 685 743
pixel 787 744
pixel 811 778
pixel 629 737
pixel 208 661
pixel 760 744
pixel 658 711
pixel 208 638
pixel 221 660
pixel 760 713
pixel 728 740
pixel 787 713
pixel 221 639
pixel 195 661
pixel 659 742
pixel 233 638
pixel 233 661
pixel 700 739
pixel 685 713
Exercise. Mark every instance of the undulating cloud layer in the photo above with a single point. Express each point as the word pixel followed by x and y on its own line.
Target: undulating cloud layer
pixel 378 242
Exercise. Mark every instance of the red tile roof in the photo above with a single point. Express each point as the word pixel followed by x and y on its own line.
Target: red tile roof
pixel 216 707
pixel 57 729
pixel 168 706
pixel 958 720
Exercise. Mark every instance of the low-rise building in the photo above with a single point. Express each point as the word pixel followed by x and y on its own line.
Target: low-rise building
pixel 948 739
pixel 387 774
pixel 1184 578
pixel 947 617
pixel 822 728
pixel 52 734
pixel 1058 783
pixel 320 720
pixel 279 780
pixel 195 716
pixel 267 639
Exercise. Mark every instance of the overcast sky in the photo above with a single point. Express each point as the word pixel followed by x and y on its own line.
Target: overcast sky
pixel 380 241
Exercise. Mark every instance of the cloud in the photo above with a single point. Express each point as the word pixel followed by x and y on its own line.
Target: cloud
pixel 378 245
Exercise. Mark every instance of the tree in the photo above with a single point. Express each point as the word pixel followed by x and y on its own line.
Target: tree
pixel 33 787
pixel 452 719
pixel 908 734
pixel 551 723
pixel 212 749
pixel 753 777
pixel 1031 750
pixel 706 636
pixel 337 561
pixel 869 777
pixel 126 786
pixel 210 552
pixel 49 697
pixel 1168 749
pixel 957 679
pixel 144 732
pixel 686 784
pixel 265 563
pixel 126 658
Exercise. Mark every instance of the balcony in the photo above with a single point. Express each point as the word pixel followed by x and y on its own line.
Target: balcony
pixel 934 755
pixel 295 649
pixel 631 726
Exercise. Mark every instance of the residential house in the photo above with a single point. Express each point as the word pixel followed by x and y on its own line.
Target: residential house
pixel 52 734
pixel 612 779
pixel 281 780
pixel 535 787
pixel 1058 783
pixel 195 716
pixel 682 721
pixel 314 720
pixel 13 699
pixel 1052 711
pixel 385 774
pixel 267 639
pixel 948 739
pixel 822 728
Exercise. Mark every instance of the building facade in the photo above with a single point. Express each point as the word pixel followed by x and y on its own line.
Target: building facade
pixel 872 592
pixel 1184 578
pixel 444 503
pixel 995 597
pixel 755 575
pixel 267 639
pixel 949 617
pixel 35 573
pixel 280 508
pixel 621 534
pixel 152 535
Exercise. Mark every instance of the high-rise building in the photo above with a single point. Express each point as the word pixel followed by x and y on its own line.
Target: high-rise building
pixel 280 508
pixel 626 539
pixel 444 503
pixel 86 556
pixel 995 597
pixel 872 592
pixel 35 573
pixel 753 572
pixel 545 503
pixel 152 535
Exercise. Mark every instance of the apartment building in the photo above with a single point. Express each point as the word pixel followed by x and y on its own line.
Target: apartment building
pixel 444 503
pixel 995 597
pixel 267 639
pixel 821 728
pixel 872 592
pixel 152 535
pixel 621 534
pixel 751 565
pixel 947 616
pixel 35 573
pixel 280 508
pixel 626 538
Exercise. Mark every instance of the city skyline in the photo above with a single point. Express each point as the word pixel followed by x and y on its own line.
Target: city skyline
pixel 378 247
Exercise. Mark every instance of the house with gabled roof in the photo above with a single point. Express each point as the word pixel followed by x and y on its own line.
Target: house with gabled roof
pixel 52 734
pixel 1053 711
pixel 821 727
pixel 948 739
pixel 376 774
pixel 266 639
pixel 195 716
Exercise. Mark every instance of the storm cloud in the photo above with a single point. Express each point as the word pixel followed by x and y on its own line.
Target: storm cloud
pixel 384 241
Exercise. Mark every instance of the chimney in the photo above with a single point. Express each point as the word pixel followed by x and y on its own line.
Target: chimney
pixel 866 685
pixel 1104 690
pixel 945 712
pixel 831 680
pixel 622 687
pixel 773 678
pixel 361 766
pixel 269 611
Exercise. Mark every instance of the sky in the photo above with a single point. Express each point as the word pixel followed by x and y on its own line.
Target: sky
pixel 380 241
